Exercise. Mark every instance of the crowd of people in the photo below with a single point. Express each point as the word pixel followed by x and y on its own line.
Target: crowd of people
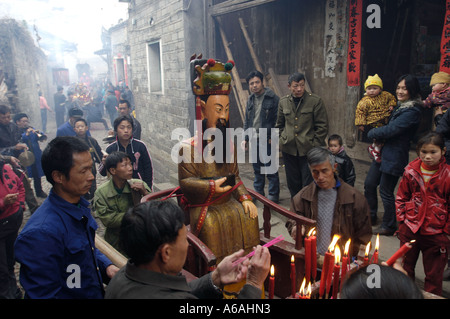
pixel 56 248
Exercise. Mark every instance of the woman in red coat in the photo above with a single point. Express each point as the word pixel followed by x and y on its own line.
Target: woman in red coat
pixel 423 209
pixel 12 198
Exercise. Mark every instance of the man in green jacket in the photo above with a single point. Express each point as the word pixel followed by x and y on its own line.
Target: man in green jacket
pixel 113 198
pixel 303 123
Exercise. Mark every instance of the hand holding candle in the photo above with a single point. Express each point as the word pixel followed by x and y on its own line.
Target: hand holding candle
pixel 400 253
pixel 270 243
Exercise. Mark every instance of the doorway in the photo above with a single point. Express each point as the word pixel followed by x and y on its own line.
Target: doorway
pixel 408 41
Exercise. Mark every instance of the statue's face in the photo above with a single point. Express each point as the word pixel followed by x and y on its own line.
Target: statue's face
pixel 216 109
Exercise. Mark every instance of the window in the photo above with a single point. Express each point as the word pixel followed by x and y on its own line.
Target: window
pixel 154 66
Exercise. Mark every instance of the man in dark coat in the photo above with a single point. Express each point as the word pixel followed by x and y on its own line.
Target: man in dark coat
pixel 261 114
pixel 157 255
pixel 60 110
pixel 111 105
pixel 31 137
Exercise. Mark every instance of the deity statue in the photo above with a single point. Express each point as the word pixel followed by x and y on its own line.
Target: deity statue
pixel 222 213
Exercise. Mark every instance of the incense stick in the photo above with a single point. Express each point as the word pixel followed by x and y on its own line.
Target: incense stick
pixel 270 243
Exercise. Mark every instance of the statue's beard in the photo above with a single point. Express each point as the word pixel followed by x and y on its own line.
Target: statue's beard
pixel 221 126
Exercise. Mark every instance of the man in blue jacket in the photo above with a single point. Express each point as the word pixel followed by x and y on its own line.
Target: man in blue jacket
pixel 67 129
pixel 56 248
pixel 261 113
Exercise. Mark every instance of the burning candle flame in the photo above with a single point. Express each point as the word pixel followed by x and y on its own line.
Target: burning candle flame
pixel 312 232
pixel 302 287
pixel 377 243
pixel 309 291
pixel 337 255
pixel 333 243
pixel 292 259
pixel 367 249
pixel 272 271
pixel 347 247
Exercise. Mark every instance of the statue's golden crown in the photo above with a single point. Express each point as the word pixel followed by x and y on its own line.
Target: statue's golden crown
pixel 210 77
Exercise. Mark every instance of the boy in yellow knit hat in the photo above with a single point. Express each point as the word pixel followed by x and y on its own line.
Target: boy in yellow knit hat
pixel 373 110
pixel 440 95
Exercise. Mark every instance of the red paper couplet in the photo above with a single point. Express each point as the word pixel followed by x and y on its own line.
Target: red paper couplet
pixel 445 42
pixel 354 43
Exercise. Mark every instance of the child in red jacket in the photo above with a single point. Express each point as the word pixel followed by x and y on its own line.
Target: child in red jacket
pixel 423 210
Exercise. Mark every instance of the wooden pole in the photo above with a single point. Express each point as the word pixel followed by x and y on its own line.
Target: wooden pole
pixel 237 79
pixel 250 46
pixel 109 251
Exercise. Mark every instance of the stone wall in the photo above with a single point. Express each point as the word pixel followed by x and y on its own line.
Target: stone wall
pixel 24 66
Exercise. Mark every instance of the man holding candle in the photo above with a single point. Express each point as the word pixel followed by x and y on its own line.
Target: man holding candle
pixel 338 207
pixel 154 237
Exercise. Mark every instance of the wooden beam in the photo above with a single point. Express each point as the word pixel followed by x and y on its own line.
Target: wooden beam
pixel 250 46
pixel 243 95
pixel 235 5
pixel 275 84
pixel 228 3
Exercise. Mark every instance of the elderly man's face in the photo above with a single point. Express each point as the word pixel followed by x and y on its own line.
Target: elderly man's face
pixel 323 175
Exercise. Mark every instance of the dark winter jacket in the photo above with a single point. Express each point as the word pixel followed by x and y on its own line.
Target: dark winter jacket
pixel 302 127
pixel 424 209
pixel 346 170
pixel 269 110
pixel 140 159
pixel 397 134
pixel 443 127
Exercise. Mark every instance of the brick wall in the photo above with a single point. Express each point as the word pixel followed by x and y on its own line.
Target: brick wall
pixel 169 23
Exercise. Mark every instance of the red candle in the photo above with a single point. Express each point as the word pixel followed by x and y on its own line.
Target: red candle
pixel 308 258
pixel 366 256
pixel 324 275
pixel 330 276
pixel 400 253
pixel 337 269
pixel 345 262
pixel 377 246
pixel 293 279
pixel 327 269
pixel 271 282
pixel 314 256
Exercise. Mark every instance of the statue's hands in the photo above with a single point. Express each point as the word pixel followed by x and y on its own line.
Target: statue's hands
pixel 220 189
pixel 250 208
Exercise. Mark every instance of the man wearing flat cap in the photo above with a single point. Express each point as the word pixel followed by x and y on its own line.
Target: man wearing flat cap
pixel 67 128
